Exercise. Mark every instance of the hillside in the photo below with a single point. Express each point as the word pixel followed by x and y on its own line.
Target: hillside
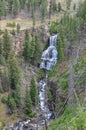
pixel 42 64
pixel 24 18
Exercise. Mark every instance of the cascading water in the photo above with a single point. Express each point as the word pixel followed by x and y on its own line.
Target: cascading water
pixel 49 59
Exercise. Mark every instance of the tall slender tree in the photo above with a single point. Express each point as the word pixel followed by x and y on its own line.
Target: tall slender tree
pixel 2 9
pixel 1 52
pixel 15 7
pixel 14 72
pixel 26 50
pixel 33 91
pixel 10 3
pixel 28 103
pixel 1 47
pixel 7 44
pixel 37 52
pixel 43 9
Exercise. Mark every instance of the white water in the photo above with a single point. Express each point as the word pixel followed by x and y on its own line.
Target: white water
pixel 49 59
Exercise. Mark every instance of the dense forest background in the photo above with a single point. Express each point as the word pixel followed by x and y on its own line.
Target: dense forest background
pixel 20 53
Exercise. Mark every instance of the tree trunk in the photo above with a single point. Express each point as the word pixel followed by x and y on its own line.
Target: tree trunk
pixel 71 86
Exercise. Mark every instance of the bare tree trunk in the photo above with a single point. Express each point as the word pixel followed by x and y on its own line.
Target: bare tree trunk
pixel 71 85
pixel 76 96
pixel 46 127
pixel 85 94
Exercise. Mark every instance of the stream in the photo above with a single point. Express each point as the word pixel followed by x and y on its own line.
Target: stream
pixel 49 59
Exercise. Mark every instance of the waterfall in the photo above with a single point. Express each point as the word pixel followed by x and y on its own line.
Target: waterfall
pixel 49 59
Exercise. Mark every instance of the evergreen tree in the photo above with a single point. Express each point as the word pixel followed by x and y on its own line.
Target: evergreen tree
pixel 32 50
pixel 7 45
pixel 43 9
pixel 1 52
pixel 82 14
pixel 1 47
pixel 28 4
pixel 18 28
pixel 59 6
pixel 16 7
pixel 37 53
pixel 68 3
pixel 33 91
pixel 29 48
pixel 33 13
pixel 50 9
pixel 11 103
pixel 26 50
pixel 22 2
pixel 54 6
pixel 17 95
pixel 2 9
pixel 28 103
pixel 60 49
pixel 10 4
pixel 14 72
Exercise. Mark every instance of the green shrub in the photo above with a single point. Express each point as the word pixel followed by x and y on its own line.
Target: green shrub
pixel 3 123
pixel 3 100
pixel 2 60
pixel 53 27
pixel 13 24
pixel 41 74
pixel 13 32
pixel 32 114
pixel 1 32
pixel 11 104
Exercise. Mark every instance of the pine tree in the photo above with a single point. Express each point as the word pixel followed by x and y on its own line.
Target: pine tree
pixel 37 53
pixel 18 28
pixel 14 72
pixel 54 6
pixel 29 48
pixel 68 3
pixel 28 4
pixel 28 103
pixel 17 95
pixel 26 50
pixel 59 7
pixel 1 47
pixel 11 103
pixel 82 14
pixel 33 91
pixel 1 52
pixel 50 9
pixel 10 4
pixel 33 14
pixel 43 9
pixel 2 9
pixel 60 49
pixel 7 45
pixel 22 2
pixel 32 50
pixel 16 7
